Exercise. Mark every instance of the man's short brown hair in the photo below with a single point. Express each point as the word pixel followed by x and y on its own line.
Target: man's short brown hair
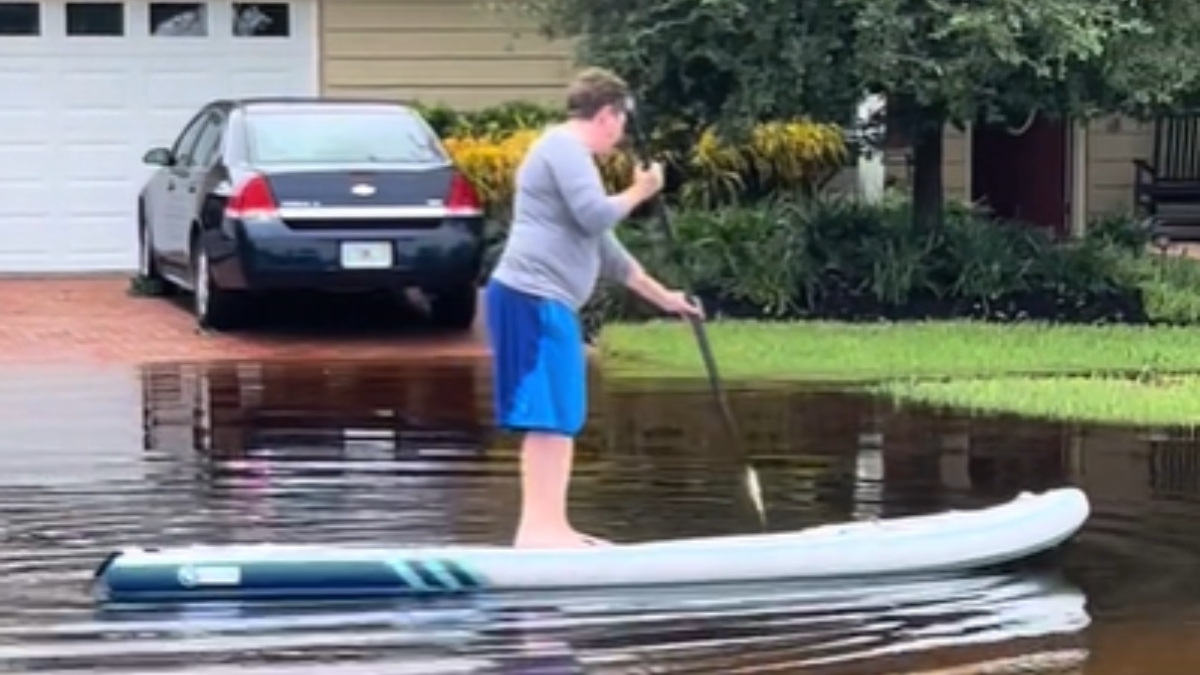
pixel 592 90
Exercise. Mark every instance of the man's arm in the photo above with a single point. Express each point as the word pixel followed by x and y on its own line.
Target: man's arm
pixel 580 185
pixel 618 265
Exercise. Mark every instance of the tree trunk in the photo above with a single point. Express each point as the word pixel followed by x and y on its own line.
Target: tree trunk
pixel 928 192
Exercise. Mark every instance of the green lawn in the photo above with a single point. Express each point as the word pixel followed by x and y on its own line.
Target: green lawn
pixel 1163 400
pixel 954 363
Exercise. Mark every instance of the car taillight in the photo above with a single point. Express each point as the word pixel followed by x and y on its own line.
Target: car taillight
pixel 462 199
pixel 252 200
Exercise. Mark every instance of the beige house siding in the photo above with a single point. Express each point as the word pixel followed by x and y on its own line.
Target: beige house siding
pixel 455 52
pixel 955 169
pixel 1113 144
pixel 954 164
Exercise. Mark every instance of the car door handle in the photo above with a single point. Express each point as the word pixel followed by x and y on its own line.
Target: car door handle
pixel 170 187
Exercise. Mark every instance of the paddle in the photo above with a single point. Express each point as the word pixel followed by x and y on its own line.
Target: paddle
pixel 641 149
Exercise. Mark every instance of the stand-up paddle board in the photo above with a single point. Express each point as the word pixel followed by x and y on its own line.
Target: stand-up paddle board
pixel 954 541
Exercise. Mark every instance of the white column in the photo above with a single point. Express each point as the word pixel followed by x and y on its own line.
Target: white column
pixel 968 170
pixel 1077 185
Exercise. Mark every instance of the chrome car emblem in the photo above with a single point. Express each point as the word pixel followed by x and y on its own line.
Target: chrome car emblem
pixel 363 190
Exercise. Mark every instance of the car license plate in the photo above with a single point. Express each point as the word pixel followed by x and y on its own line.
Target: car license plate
pixel 366 255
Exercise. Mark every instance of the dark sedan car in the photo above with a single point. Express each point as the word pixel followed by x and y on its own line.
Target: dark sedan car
pixel 263 195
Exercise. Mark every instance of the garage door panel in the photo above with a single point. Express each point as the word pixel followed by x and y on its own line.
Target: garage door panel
pixel 25 126
pixel 89 126
pixel 94 236
pixel 24 198
pixel 24 163
pixel 79 113
pixel 90 196
pixel 96 162
pixel 96 90
pixel 25 235
pixel 162 87
pixel 251 83
pixel 97 233
pixel 25 90
pixel 27 242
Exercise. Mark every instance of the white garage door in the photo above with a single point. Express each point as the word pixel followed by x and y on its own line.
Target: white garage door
pixel 87 87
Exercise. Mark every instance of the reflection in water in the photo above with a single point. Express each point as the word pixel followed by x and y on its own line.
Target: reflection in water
pixel 374 453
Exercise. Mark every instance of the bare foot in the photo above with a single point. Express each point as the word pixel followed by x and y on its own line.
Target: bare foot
pixel 594 541
pixel 557 539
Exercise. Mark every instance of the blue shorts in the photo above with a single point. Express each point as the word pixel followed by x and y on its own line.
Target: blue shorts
pixel 539 366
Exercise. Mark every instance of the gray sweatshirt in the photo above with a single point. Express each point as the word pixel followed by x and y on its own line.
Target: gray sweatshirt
pixel 561 240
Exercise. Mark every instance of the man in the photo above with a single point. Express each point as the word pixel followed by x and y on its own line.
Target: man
pixel 561 241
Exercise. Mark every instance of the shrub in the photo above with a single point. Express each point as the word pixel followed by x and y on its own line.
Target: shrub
pixel 1123 229
pixel 778 156
pixel 795 156
pixel 491 164
pixel 702 168
pixel 1170 287
pixel 839 258
pixel 491 122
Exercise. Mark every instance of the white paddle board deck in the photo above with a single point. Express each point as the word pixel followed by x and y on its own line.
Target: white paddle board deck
pixel 953 541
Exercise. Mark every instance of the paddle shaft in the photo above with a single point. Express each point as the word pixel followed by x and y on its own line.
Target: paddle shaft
pixel 642 150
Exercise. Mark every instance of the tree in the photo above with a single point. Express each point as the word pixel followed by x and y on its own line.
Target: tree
pixel 961 61
pixel 711 61
pixel 938 62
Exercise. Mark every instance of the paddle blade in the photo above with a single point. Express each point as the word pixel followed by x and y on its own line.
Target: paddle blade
pixel 754 489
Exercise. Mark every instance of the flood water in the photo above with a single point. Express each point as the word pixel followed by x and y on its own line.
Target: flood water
pixel 94 460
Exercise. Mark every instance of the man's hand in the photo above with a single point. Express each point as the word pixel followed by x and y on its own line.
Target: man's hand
pixel 677 302
pixel 671 301
pixel 648 180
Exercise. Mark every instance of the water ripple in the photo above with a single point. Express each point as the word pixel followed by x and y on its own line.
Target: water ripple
pixel 56 536
pixel 244 458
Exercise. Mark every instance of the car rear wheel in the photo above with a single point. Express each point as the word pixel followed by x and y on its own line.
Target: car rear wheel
pixel 455 308
pixel 215 308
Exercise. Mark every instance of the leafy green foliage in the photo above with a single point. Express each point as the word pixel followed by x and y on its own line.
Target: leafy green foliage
pixel 1157 68
pixel 844 259
pixel 490 122
pixel 732 63
pixel 995 60
pixel 725 62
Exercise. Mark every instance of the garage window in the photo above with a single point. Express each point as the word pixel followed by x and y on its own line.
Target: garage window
pixel 261 19
pixel 20 18
pixel 96 18
pixel 178 19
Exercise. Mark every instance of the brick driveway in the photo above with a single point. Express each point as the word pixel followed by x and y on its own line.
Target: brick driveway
pixel 94 319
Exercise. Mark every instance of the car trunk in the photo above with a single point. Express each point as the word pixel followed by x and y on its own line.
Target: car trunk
pixel 333 199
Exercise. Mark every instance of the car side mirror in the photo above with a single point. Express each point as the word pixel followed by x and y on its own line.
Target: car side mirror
pixel 158 156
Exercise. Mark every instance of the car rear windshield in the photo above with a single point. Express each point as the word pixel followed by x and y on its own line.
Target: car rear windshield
pixel 385 136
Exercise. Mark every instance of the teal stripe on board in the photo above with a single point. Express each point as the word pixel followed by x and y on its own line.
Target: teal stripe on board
pixel 437 576
pixel 438 571
pixel 465 576
pixel 410 576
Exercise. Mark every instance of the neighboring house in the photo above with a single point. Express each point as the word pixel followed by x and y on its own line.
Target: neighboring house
pixel 89 86
pixel 1048 172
